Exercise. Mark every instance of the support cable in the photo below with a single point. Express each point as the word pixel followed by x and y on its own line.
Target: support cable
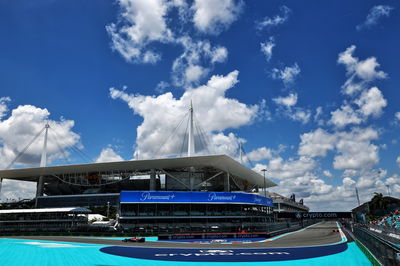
pixel 173 133
pixel 205 137
pixel 62 150
pixel 74 148
pixel 184 138
pixel 26 147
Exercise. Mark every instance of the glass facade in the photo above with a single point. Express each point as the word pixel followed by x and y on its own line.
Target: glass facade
pixel 158 218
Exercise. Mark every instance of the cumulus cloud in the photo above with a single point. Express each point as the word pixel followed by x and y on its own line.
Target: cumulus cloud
pixel 270 22
pixel 287 75
pixel 316 143
pixel 360 72
pixel 144 24
pixel 300 114
pixel 12 190
pixel 17 131
pixel 374 15
pixel 260 154
pixel 371 102
pixel 278 168
pixel 364 102
pixel 3 106
pixel 187 69
pixel 305 186
pixel 294 113
pixel 140 23
pixel 224 144
pixel 215 16
pixel 288 101
pixel 327 173
pixel 344 116
pixel 266 48
pixel 108 155
pixel 397 116
pixel 161 114
pixel 24 123
pixel 355 149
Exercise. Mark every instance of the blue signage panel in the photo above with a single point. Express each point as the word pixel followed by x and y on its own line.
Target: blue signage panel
pixel 192 197
pixel 225 254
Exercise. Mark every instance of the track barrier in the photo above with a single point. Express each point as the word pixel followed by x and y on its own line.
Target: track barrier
pixel 384 251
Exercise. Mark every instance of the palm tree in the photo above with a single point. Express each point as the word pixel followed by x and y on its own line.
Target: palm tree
pixel 378 202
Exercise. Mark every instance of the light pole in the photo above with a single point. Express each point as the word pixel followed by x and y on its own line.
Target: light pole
pixel 108 209
pixel 265 190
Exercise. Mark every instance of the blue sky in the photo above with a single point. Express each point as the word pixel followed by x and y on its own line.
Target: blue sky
pixel 310 88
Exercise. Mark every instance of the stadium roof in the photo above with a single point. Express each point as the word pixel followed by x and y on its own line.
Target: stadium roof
pixel 219 162
pixel 47 210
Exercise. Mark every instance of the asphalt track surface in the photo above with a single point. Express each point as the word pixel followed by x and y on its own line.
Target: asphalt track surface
pixel 315 235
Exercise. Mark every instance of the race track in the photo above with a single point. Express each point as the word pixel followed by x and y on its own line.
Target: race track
pixel 316 245
pixel 318 234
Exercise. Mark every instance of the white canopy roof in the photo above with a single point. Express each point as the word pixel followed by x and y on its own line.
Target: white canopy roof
pixel 219 162
pixel 47 210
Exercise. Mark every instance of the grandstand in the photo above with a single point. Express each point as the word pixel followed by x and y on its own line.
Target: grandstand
pixel 46 219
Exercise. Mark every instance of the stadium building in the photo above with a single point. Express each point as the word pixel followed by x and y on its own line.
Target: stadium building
pixel 200 192
pixel 194 193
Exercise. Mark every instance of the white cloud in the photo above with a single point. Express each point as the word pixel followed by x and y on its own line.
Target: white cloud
pixel 288 101
pixel 296 114
pixel 327 173
pixel 24 123
pixel 224 144
pixel 17 131
pixel 397 115
pixel 17 190
pixel 316 143
pixel 398 161
pixel 318 116
pixel 3 106
pixel 345 116
pixel 374 16
pixel 301 114
pixel 260 154
pixel 215 16
pixel 161 114
pixel 187 69
pixel 269 22
pixel 266 48
pixel 355 150
pixel 280 169
pixel 140 23
pixel 108 155
pixel 371 102
pixel 287 75
pixel 218 54
pixel 359 73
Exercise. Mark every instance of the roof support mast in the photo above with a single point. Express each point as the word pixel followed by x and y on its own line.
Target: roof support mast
pixel 43 161
pixel 191 148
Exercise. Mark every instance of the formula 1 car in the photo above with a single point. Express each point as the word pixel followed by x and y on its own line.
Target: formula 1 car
pixel 134 239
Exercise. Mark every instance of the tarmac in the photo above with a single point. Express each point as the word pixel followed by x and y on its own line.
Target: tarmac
pixel 315 235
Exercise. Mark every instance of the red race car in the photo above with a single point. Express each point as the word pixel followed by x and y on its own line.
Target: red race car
pixel 134 239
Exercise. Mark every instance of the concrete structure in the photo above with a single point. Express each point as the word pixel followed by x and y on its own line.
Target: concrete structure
pixel 45 219
pixel 283 204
